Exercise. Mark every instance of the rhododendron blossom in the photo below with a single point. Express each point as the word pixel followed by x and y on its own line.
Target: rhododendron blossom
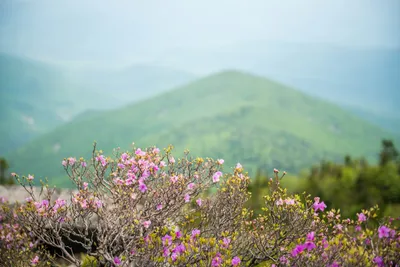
pixel 134 208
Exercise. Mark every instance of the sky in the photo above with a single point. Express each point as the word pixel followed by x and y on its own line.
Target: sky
pixel 133 30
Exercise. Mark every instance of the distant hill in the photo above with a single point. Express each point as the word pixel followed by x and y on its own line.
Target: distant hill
pixel 36 97
pixel 233 115
pixel 363 78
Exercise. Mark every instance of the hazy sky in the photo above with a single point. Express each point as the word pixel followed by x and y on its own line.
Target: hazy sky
pixel 106 29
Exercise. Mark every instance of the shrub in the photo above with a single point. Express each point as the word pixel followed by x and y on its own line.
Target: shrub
pixel 147 209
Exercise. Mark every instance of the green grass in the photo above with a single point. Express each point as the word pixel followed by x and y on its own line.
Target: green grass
pixel 231 115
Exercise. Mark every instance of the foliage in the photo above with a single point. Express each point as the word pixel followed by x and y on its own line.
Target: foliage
pixel 149 209
pixel 356 184
pixel 4 180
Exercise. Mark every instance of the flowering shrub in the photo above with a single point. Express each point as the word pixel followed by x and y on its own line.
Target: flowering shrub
pixel 147 208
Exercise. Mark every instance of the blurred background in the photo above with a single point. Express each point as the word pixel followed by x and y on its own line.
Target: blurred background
pixel 310 87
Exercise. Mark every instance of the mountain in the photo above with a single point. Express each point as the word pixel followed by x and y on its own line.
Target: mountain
pixel 36 97
pixel 363 78
pixel 232 115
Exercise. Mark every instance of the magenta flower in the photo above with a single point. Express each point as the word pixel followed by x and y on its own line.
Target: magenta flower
pixel 216 261
pixel 187 198
pixel 159 207
pixel 121 166
pixel 117 261
pixel 361 217
pixel 311 236
pixel 383 231
pixel 199 202
pixel 309 245
pixel 216 176
pixel 178 234
pixel 235 261
pixel 379 261
pixel 84 164
pixel 167 240
pixel 195 232
pixel 142 187
pixel 297 250
pixel 319 205
pixel 334 264
pixel 174 256
pixel 35 260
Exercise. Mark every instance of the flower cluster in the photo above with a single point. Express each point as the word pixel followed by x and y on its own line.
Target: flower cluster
pixel 149 209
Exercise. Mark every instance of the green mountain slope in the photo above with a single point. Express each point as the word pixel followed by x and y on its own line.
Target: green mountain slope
pixel 36 97
pixel 234 115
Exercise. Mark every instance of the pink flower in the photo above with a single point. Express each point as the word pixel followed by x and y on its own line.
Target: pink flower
pixel 174 179
pixel 85 185
pixel 124 156
pixel 289 201
pixel 361 217
pixel 220 161
pixel 239 166
pixel 190 186
pixel 139 152
pixel 13 174
pixel 146 224
pixel 199 201
pixel 64 163
pixel 383 231
pixel 216 176
pixel 35 260
pixel 98 203
pixel 172 160
pixel 162 164
pixel 174 256
pixel 30 177
pixel 84 164
pixel 279 202
pixel 159 207
pixel 71 161
pixel 156 150
pixel 187 198
pixel 226 242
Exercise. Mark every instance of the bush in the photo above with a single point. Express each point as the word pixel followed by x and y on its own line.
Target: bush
pixel 147 209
